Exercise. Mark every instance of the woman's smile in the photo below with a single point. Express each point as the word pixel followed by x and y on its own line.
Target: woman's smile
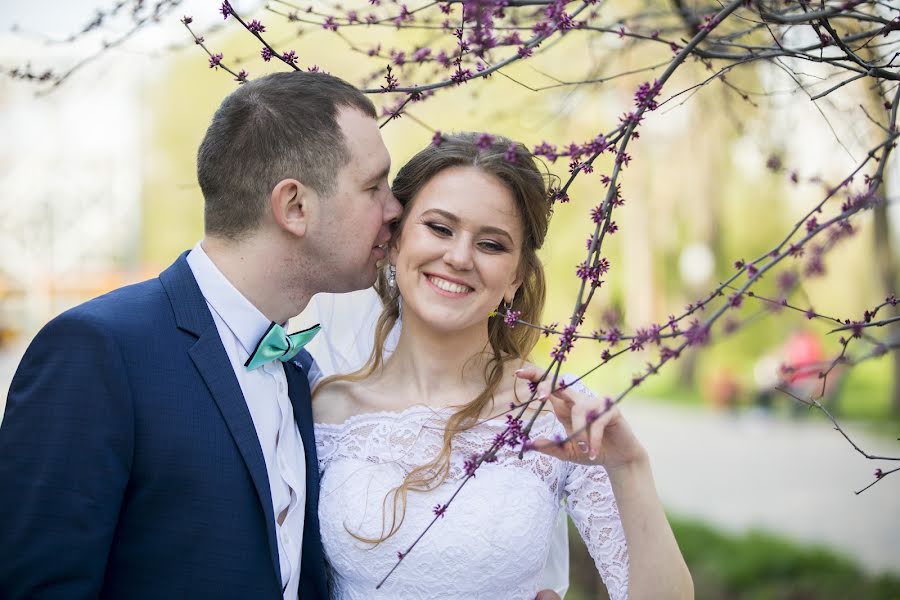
pixel 446 287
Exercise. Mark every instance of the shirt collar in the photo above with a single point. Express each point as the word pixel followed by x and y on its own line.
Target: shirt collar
pixel 244 320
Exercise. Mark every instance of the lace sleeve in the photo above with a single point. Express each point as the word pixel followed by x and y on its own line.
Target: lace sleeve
pixel 592 507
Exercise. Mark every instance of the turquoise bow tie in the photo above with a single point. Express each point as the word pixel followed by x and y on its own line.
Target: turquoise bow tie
pixel 276 344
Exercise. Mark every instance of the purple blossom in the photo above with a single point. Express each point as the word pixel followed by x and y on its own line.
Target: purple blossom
pixel 226 9
pixel 786 281
pixel 815 266
pixel 879 473
pixel 391 81
pixel 421 54
pixel 811 224
pixel 484 141
pixel 546 150
pixel 597 145
pixel 436 139
pixel 512 317
pixel 329 24
pixel 187 20
pixel 646 93
pixel 510 154
pixel 255 26
pixel 242 76
pixel 542 28
pixel 666 353
pixel 266 54
pixel 290 57
pixel 513 39
pixel 558 195
pixel 613 336
pixel 697 333
pixel 440 510
pixel 461 76
pixel 564 346
pixel 214 60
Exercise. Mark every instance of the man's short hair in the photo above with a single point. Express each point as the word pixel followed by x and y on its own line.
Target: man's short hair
pixel 279 126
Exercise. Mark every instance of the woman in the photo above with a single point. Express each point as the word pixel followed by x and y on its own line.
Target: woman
pixel 393 439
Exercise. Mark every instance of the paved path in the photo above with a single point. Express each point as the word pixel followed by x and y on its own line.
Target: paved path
pixel 737 472
pixel 792 478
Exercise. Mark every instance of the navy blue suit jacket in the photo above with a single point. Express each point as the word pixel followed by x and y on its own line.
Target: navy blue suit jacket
pixel 129 463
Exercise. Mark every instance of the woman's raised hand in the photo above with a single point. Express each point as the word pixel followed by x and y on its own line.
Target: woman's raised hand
pixel 595 433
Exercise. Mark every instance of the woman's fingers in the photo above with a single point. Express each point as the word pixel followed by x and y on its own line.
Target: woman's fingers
pixel 550 447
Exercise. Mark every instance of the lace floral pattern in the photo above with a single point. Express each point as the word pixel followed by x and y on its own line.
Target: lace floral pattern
pixel 495 537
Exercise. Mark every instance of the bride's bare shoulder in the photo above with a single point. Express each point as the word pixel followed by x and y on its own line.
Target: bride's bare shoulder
pixel 335 401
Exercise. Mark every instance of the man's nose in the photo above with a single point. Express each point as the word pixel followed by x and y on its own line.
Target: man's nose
pixel 392 208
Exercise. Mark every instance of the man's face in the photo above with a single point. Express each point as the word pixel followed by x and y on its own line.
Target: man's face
pixel 356 218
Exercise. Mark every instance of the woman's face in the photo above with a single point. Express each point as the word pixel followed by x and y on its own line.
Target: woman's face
pixel 457 254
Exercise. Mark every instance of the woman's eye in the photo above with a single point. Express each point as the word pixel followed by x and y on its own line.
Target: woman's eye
pixel 493 246
pixel 439 229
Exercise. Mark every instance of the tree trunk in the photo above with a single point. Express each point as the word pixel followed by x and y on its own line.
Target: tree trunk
pixel 886 263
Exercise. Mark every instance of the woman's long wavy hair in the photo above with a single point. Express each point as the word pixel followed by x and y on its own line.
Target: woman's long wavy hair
pixel 517 168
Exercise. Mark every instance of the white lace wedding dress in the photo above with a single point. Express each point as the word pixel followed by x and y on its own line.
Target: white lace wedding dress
pixel 494 538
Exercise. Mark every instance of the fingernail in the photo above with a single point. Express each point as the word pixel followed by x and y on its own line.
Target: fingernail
pixel 583 446
pixel 593 456
pixel 519 371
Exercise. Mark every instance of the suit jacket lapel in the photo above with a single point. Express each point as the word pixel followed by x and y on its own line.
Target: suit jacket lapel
pixel 312 565
pixel 211 360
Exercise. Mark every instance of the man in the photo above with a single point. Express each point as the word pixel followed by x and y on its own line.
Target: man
pixel 139 457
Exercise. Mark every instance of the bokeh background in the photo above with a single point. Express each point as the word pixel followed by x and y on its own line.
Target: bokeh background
pixel 97 190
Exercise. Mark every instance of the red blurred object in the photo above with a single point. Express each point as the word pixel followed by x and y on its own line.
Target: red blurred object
pixel 803 356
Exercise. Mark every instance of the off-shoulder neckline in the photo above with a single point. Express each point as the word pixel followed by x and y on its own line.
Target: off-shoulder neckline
pixel 415 408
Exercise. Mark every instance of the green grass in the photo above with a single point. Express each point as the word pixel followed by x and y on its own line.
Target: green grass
pixel 751 566
pixel 760 566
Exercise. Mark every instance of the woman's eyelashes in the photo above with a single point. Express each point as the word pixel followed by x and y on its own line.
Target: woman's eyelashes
pixel 441 230
pixel 444 231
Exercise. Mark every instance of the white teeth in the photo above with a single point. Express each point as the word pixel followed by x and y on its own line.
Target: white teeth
pixel 447 286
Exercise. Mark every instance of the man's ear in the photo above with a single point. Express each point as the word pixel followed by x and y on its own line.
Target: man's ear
pixel 292 205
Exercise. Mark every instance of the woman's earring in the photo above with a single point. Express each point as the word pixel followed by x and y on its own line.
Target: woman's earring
pixel 392 276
